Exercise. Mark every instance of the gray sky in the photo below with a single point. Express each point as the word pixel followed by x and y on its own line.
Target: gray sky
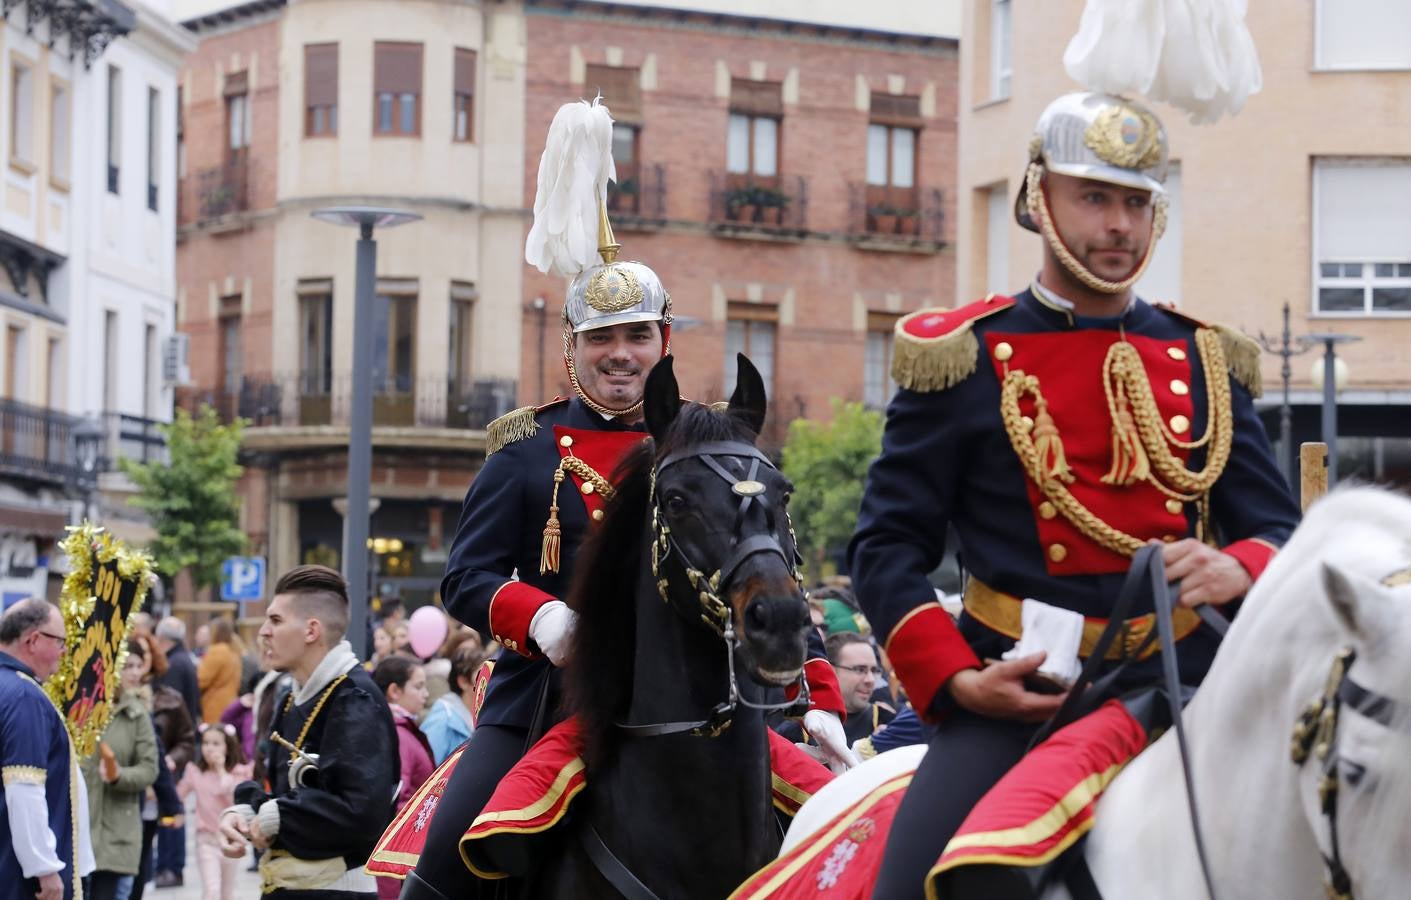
pixel 931 17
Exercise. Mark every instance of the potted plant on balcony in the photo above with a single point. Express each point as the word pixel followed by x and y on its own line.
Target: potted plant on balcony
pixel 771 205
pixel 908 221
pixel 884 219
pixel 741 204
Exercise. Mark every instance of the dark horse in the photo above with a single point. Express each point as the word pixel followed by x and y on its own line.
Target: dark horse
pixel 670 694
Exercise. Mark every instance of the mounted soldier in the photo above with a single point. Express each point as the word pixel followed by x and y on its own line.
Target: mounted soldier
pixel 1059 430
pixel 546 477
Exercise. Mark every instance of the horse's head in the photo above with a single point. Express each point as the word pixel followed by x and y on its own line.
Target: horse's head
pixel 724 552
pixel 1353 741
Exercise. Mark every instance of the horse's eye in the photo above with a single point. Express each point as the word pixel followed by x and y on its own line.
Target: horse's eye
pixel 675 503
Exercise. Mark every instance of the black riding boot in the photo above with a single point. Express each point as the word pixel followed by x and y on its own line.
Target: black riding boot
pixel 413 888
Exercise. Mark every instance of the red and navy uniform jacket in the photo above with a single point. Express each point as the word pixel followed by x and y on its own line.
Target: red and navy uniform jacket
pixel 501 532
pixel 947 459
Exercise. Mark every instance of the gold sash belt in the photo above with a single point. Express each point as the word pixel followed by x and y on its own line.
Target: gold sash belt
pixel 1001 612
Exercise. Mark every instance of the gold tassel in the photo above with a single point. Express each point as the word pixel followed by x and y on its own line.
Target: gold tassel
pixel 549 555
pixel 1129 460
pixel 1053 463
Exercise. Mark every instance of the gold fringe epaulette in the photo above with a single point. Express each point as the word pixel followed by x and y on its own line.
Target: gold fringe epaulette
pixel 936 349
pixel 1242 356
pixel 515 425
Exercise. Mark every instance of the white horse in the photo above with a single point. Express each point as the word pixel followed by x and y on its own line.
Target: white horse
pixel 1343 581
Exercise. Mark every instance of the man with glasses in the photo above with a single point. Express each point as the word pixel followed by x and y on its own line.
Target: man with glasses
pixel 43 816
pixel 854 659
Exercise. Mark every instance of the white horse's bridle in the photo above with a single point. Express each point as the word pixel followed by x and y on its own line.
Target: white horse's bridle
pixel 1316 732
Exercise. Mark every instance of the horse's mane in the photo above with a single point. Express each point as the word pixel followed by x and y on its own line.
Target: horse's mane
pixel 599 674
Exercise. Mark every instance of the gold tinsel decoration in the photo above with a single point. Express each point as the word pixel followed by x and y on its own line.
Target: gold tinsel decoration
pixel 1242 355
pixel 86 545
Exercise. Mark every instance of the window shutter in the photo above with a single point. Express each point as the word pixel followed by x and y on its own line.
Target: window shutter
pixel 621 89
pixel 465 71
pixel 397 68
pixel 237 83
pixel 889 109
pixel 320 74
pixel 756 98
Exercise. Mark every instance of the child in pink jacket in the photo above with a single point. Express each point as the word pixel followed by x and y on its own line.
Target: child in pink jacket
pixel 403 682
pixel 212 777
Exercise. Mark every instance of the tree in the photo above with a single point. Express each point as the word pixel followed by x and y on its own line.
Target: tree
pixel 191 499
pixel 827 462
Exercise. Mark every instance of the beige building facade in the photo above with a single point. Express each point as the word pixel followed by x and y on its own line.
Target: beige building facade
pixel 290 107
pixel 1300 199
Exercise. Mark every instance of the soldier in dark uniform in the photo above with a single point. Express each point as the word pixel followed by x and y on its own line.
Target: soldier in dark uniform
pixel 544 482
pixel 1058 431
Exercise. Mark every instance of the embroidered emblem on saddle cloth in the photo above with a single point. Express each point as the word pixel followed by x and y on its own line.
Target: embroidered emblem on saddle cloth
pixel 536 794
pixel 1047 801
pixel 400 846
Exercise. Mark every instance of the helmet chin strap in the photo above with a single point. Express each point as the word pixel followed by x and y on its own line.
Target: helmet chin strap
pixel 1038 209
pixel 630 412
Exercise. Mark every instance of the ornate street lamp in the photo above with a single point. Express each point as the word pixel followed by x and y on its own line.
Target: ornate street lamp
pixel 88 439
pixel 1330 387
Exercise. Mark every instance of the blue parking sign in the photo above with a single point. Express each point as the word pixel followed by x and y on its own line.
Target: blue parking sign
pixel 243 578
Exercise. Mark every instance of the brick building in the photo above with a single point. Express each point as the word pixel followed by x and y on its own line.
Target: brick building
pixel 791 183
pixel 292 107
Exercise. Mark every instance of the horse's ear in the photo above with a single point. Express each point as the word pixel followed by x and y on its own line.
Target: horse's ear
pixel 1357 602
pixel 749 400
pixel 661 401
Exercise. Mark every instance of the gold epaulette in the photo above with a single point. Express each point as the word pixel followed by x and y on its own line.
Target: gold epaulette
pixel 515 425
pixel 936 349
pixel 1241 350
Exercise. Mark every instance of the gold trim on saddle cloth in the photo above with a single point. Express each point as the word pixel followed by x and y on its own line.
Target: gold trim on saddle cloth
pixel 1001 612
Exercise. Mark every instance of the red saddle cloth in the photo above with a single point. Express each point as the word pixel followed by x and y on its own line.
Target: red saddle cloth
pixel 535 795
pixel 1035 812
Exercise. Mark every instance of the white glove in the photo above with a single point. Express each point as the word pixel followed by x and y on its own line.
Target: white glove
pixel 827 729
pixel 551 628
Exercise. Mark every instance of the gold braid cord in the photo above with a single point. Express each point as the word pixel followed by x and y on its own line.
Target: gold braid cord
pixel 1141 440
pixel 550 551
pixel 1038 209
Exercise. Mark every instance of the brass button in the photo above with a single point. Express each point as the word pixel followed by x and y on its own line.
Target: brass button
pixel 1173 507
pixel 1180 424
pixel 1178 387
pixel 566 441
pixel 1027 422
pixel 1175 353
pixel 1046 510
pixel 597 515
pixel 587 487
pixel 1057 552
pixel 1003 351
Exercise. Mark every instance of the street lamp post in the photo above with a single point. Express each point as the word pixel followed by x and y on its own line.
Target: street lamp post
pixel 1286 347
pixel 355 523
pixel 88 450
pixel 1330 415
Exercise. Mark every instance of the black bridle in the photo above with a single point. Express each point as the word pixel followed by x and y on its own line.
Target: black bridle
pixel 1316 733
pixel 712 586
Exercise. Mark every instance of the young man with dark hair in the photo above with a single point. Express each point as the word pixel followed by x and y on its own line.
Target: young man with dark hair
pixel 332 759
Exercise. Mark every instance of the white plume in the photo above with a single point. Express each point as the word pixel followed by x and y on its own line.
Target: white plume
pixel 573 176
pixel 1194 54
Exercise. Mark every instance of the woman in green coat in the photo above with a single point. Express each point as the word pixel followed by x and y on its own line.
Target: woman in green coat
pixel 124 766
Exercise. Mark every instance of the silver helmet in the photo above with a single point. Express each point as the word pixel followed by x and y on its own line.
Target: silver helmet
pixel 1105 138
pixel 614 292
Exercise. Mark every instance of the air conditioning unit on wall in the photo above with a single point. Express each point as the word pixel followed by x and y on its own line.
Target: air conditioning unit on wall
pixel 176 367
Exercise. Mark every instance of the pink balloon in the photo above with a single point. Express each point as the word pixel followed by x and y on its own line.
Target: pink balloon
pixel 426 630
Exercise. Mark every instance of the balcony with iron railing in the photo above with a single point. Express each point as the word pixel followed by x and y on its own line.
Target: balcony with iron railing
pixel 314 407
pixel 884 217
pixel 763 207
pixel 637 200
pixel 37 444
pixel 217 194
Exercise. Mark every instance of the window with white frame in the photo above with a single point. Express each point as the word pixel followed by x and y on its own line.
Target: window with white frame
pixel 21 113
pixel 1162 279
pixel 1362 236
pixel 750 329
pixel 1363 34
pixel 1001 48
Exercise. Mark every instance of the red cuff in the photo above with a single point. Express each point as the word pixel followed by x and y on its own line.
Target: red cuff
pixel 511 610
pixel 1254 554
pixel 926 649
pixel 823 690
